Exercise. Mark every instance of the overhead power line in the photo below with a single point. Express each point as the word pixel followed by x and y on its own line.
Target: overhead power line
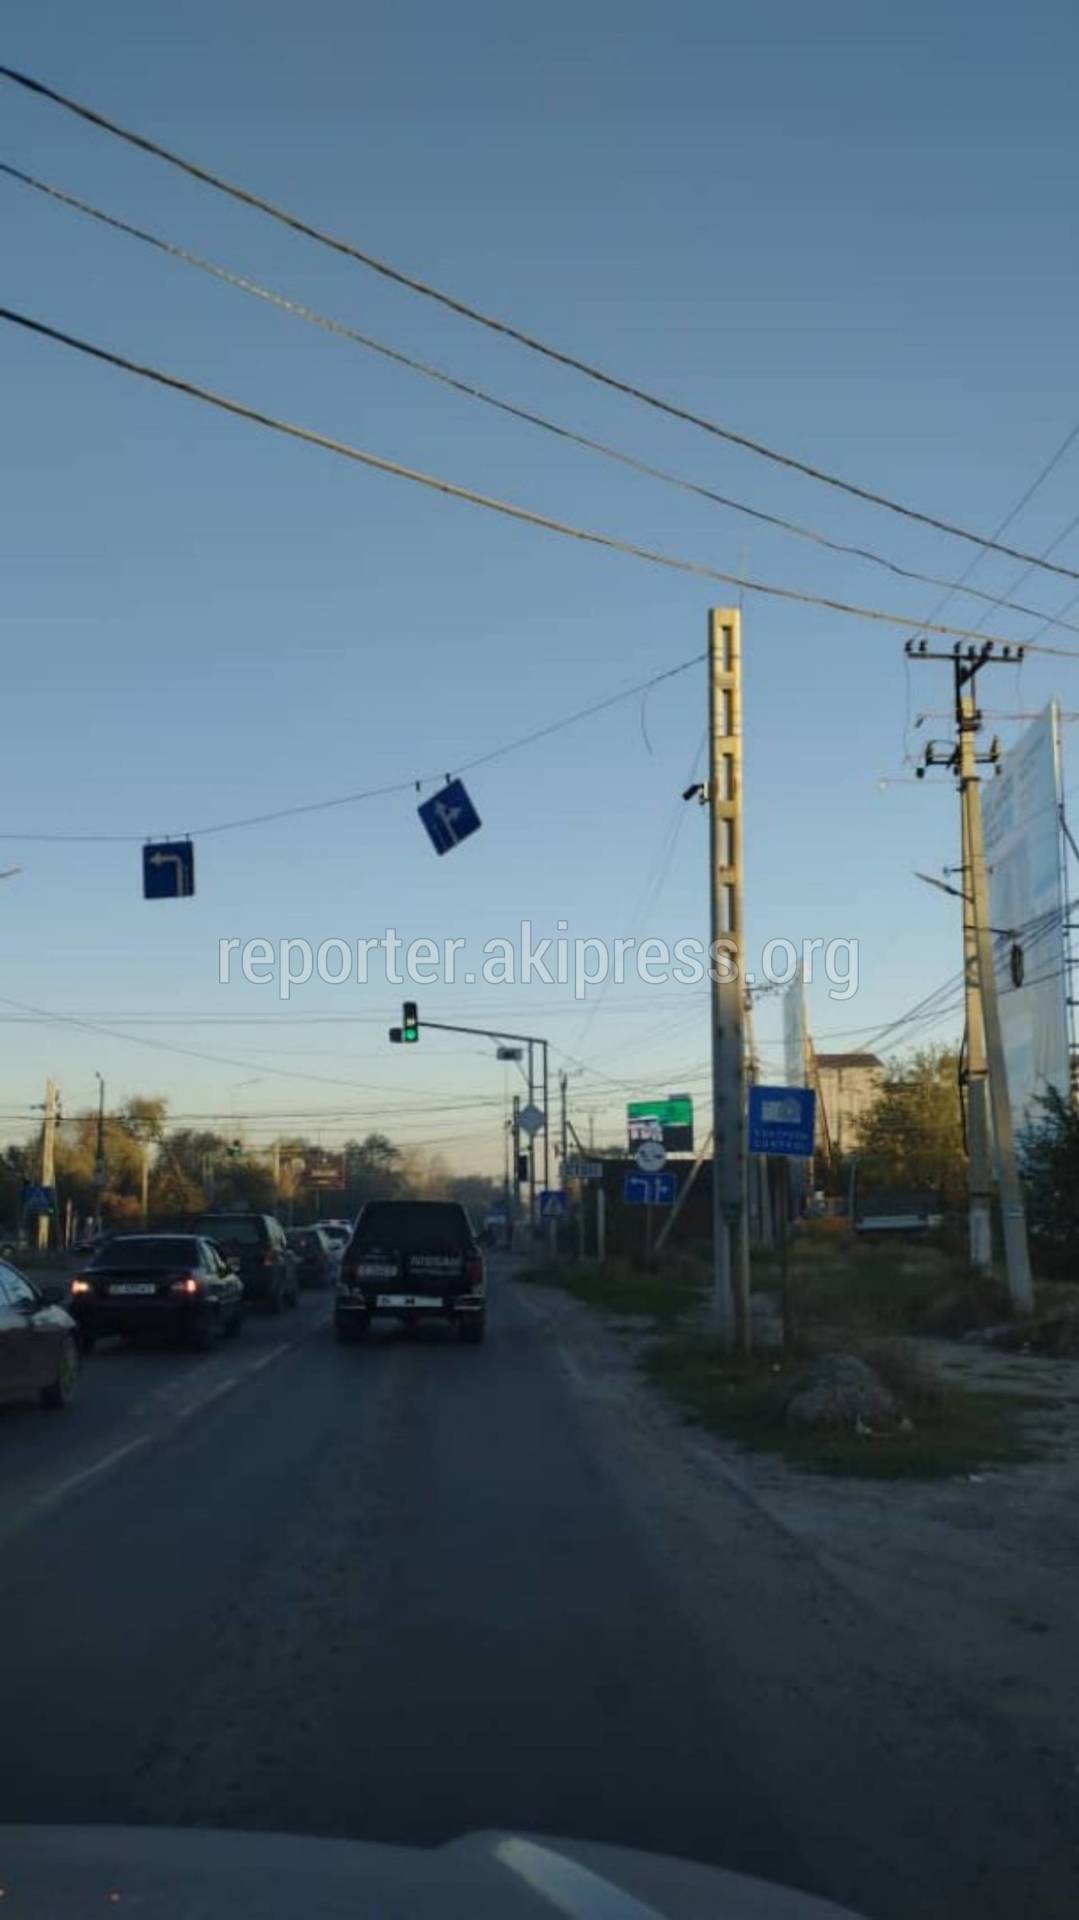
pixel 463 308
pixel 244 284
pixel 546 522
pixel 391 787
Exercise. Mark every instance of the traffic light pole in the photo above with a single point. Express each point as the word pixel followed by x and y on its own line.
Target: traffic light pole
pixel 531 1041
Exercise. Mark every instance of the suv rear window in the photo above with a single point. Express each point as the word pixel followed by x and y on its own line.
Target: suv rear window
pixel 414 1226
pixel 148 1252
pixel 237 1229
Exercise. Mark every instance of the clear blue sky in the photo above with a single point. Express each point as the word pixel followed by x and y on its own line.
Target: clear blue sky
pixel 843 230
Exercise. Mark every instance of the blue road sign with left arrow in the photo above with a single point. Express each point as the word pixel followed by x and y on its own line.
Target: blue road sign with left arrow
pixel 168 870
pixel 449 816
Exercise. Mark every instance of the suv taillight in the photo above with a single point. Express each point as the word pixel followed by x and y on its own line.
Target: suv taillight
pixel 474 1270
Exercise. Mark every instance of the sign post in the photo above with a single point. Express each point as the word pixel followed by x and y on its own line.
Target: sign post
pixel 782 1121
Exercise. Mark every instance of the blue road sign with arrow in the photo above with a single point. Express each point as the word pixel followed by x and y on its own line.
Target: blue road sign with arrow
pixel 449 816
pixel 168 870
pixel 649 1189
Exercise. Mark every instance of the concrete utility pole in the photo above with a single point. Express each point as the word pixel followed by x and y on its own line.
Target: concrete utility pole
pixel 145 1143
pixel 983 1005
pixel 730 1297
pixel 980 1162
pixel 48 1158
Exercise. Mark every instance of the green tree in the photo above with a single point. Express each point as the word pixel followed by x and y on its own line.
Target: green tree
pixel 373 1171
pixel 913 1135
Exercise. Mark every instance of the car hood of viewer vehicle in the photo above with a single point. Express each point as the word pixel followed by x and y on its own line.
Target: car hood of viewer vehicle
pixel 68 1873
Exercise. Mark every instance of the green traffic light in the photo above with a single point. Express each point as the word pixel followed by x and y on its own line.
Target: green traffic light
pixel 410 1022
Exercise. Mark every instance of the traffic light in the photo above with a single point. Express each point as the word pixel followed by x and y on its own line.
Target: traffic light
pixel 410 1021
pixel 235 1149
pixel 522 1168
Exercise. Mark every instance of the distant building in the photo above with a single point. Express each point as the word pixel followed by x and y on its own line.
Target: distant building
pixel 848 1086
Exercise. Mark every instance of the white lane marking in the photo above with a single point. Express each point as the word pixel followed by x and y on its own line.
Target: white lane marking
pixel 79 1479
pixel 264 1359
pixel 207 1399
pixel 53 1495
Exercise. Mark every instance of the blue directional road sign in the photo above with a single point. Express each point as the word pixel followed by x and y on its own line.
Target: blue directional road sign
pixel 552 1204
pixel 168 870
pixel 781 1121
pixel 649 1189
pixel 449 816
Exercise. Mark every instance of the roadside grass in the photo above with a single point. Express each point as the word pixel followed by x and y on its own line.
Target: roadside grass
pixel 618 1287
pixel 872 1302
pixel 885 1289
pixel 955 1429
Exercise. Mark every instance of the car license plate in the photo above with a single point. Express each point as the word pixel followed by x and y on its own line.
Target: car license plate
pixel 134 1286
pixel 407 1300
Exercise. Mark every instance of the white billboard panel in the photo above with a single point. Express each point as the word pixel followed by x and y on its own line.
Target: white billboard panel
pixel 1023 850
pixel 794 1032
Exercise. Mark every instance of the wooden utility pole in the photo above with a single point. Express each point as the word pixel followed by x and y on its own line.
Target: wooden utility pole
pixel 730 1239
pixel 985 1041
pixel 48 1158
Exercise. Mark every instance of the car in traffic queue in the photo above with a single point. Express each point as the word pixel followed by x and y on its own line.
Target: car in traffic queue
pixel 412 1260
pixel 39 1352
pixel 317 1256
pixel 264 1260
pixel 177 1284
pixel 339 1231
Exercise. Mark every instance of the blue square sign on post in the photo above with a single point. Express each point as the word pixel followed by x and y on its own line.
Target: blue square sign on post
pixel 449 816
pixel 782 1121
pixel 552 1204
pixel 168 870
pixel 649 1189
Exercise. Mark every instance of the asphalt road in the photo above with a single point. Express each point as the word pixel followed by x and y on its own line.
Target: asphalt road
pixel 411 1590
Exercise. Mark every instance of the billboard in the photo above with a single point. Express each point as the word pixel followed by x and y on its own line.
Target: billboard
pixel 1021 811
pixel 794 1032
pixel 670 1121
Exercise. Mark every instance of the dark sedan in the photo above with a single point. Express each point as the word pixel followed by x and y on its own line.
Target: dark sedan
pixel 175 1284
pixel 39 1355
pixel 317 1257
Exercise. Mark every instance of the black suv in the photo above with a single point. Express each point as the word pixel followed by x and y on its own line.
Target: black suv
pixel 412 1260
pixel 256 1243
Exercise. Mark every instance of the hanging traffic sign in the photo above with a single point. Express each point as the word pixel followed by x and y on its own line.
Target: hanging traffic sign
pixel 168 870
pixel 449 816
pixel 552 1204
pixel 584 1169
pixel 530 1120
pixel 651 1156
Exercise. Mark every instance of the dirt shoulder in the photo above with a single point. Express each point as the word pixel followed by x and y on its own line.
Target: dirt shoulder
pixel 978 1574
